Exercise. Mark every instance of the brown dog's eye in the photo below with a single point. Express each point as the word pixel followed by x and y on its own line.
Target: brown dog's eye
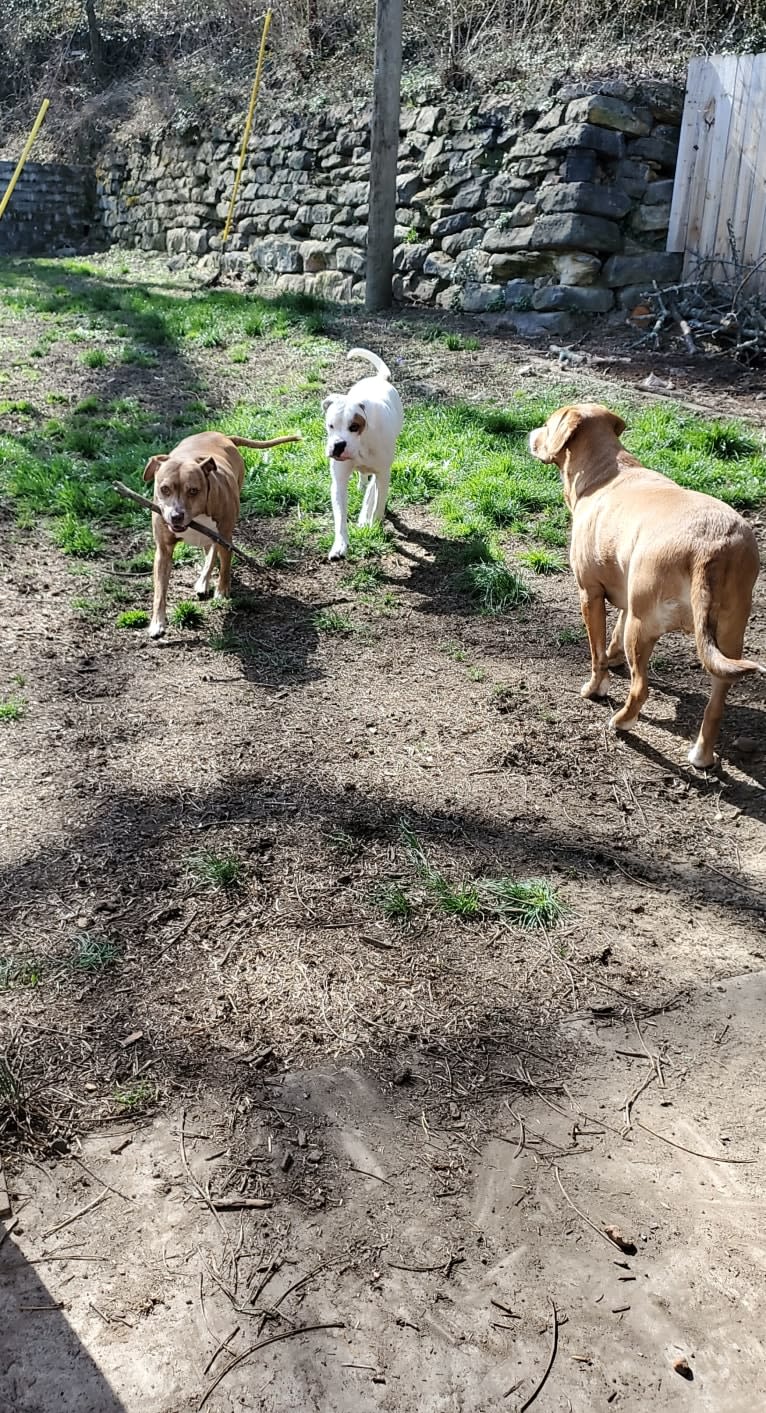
pixel 164 490
pixel 194 490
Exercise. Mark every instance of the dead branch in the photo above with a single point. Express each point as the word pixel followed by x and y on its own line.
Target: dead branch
pixel 210 534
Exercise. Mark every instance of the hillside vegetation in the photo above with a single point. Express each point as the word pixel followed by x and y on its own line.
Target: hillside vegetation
pixel 106 64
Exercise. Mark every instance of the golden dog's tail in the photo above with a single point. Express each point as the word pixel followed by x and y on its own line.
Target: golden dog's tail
pixel 275 441
pixel 713 660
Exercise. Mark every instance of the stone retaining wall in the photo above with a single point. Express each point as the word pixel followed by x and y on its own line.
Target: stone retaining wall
pixel 52 205
pixel 538 215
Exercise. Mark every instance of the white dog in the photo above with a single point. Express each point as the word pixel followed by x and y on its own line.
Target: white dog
pixel 362 429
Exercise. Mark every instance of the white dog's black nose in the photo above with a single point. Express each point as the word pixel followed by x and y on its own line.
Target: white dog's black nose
pixel 338 449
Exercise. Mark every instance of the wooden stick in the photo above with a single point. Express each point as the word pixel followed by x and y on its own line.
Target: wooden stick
pixel 123 490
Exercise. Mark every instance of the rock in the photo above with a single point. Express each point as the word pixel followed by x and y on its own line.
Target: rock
pixel 463 240
pixel 478 299
pixel 504 238
pixel 505 190
pixel 428 119
pixel 578 167
pixel 656 265
pixel 283 257
pixel 472 266
pixel 596 139
pixel 469 197
pixel 424 291
pixel 295 284
pixel 333 285
pixel 577 268
pixel 407 186
pixel 316 255
pixel 439 265
pixel 576 298
pixel 410 257
pixel 551 119
pixel 593 198
pixel 518 293
pixel 659 193
pixel 353 261
pixel 662 150
pixel 666 101
pixel 652 218
pixel 531 325
pixel 610 113
pixel 450 225
pixel 575 231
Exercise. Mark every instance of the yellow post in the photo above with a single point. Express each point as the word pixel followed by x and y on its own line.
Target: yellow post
pixel 248 127
pixel 22 159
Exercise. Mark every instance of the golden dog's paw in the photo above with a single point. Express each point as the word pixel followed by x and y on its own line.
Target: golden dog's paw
pixel 593 688
pixel 621 721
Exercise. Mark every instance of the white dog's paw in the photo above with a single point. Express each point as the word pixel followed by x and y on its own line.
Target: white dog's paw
pixel 202 588
pixel 699 759
pixel 339 549
pixel 156 629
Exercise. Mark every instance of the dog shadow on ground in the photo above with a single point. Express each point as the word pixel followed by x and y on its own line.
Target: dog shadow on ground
pixel 438 570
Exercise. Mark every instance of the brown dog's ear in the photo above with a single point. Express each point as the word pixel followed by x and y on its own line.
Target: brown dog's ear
pixel 153 465
pixel 562 427
pixel 617 424
pixel 207 464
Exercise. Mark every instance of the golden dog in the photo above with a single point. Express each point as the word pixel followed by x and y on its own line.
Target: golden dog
pixel 201 480
pixel 669 559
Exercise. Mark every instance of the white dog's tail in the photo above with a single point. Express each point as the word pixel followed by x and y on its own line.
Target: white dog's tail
pixel 372 358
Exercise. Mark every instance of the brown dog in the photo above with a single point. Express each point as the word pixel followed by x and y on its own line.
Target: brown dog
pixel 669 559
pixel 201 480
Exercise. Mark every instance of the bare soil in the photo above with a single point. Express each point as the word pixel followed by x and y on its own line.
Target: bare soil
pixel 280 1109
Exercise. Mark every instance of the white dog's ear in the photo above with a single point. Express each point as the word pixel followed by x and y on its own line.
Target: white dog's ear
pixel 328 401
pixel 153 465
pixel 358 419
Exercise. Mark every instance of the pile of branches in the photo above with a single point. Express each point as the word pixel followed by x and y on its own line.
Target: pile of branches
pixel 727 318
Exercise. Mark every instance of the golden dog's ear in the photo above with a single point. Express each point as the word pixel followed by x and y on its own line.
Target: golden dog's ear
pixel 153 465
pixel 617 424
pixel 561 428
pixel 207 464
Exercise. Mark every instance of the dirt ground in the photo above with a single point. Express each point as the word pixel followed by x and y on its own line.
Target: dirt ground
pixel 282 1111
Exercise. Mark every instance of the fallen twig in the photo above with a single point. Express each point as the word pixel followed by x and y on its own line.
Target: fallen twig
pixel 205 530
pixel 273 1339
pixel 102 1196
pixel 711 1157
pixel 599 1230
pixel 551 1359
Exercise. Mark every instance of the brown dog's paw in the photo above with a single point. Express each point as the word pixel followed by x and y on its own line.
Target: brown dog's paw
pixel 594 689
pixel 621 721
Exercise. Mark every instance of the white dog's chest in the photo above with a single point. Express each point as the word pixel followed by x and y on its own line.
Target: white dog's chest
pixel 193 537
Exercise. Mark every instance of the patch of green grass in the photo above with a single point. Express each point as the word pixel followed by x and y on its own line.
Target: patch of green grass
pixel 217 870
pixel 565 636
pixel 542 561
pixel 461 343
pixel 135 1096
pixel 393 902
pixel 477 674
pixel 497 588
pixel 132 618
pixel 74 537
pixel 187 614
pixel 137 357
pixel 95 358
pixel 365 580
pixel 329 620
pixel 276 557
pixel 529 902
pixel 20 971
pixel 93 952
pixel 12 709
pixel 454 651
pixel 240 353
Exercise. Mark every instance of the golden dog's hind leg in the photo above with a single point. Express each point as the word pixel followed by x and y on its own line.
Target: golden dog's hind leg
pixel 639 646
pixel 730 638
pixel 615 653
pixel 593 608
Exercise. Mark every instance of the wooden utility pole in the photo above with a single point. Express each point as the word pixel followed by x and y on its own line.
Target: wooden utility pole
pixel 384 152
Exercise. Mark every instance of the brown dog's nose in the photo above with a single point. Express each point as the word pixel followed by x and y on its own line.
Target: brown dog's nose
pixel 177 519
pixel 338 449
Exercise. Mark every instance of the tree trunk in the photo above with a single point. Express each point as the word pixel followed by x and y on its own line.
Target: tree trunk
pixel 94 35
pixel 384 152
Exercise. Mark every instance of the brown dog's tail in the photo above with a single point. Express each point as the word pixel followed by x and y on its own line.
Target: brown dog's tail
pixel 713 660
pixel 275 441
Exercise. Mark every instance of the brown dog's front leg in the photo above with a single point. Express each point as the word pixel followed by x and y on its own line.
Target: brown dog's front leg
pixel 224 576
pixel 593 606
pixel 163 563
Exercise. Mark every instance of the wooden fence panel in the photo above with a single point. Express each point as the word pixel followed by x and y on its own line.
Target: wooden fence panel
pixel 718 214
